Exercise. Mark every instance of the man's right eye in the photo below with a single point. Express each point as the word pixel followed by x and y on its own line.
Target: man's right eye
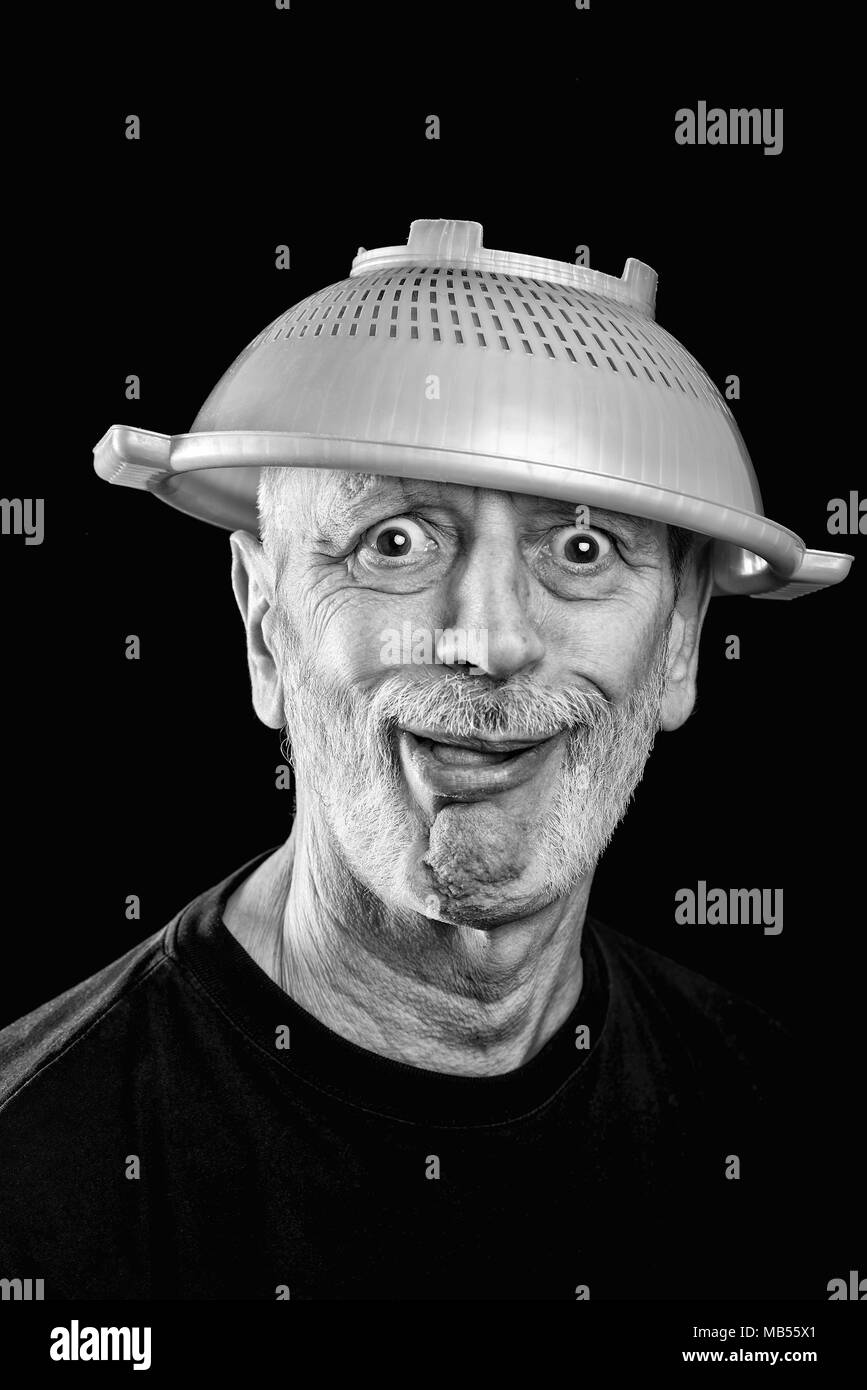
pixel 395 539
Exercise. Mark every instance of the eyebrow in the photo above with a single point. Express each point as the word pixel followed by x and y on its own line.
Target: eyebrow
pixel 638 530
pixel 357 491
pixel 337 512
pixel 642 527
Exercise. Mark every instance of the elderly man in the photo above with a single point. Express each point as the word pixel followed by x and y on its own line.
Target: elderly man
pixel 394 1057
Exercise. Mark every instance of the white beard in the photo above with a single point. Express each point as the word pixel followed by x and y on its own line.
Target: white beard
pixel 342 746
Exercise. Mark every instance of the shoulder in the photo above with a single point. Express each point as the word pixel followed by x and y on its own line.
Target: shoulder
pixel 63 1033
pixel 102 1032
pixel 71 1076
pixel 717 1030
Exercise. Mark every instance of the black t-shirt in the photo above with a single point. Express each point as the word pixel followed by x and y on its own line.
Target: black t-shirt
pixel 177 1127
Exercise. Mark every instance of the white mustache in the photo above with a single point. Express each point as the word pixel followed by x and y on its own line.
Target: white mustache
pixel 341 741
pixel 473 707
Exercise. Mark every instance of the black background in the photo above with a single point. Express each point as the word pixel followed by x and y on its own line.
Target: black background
pixel 307 127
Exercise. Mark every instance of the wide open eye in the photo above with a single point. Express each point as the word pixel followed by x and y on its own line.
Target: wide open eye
pixel 396 538
pixel 581 545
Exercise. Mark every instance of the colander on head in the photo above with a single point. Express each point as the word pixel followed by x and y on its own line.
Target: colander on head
pixel 551 379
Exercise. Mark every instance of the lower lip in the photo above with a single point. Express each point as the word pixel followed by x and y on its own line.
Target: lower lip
pixel 464 773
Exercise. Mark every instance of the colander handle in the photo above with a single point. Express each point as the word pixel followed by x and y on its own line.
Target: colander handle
pixel 819 569
pixel 135 458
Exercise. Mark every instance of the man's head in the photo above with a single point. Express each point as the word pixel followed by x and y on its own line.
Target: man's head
pixel 393 623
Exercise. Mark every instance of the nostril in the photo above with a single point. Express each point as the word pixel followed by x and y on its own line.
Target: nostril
pixel 462 648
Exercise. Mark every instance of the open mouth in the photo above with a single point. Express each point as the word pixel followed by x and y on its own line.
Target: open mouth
pixel 469 768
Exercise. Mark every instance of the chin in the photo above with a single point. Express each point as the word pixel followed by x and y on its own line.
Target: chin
pixel 484 907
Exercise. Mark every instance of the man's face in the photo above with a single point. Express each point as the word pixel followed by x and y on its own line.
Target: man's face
pixel 475 792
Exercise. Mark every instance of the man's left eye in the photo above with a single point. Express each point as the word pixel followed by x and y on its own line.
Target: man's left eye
pixel 581 545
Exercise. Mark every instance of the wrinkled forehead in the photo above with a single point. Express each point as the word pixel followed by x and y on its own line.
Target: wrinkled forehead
pixel 334 499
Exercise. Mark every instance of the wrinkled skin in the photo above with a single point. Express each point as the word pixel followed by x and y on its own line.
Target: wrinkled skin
pixel 444 927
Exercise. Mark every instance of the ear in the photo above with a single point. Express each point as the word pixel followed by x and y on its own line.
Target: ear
pixel 686 624
pixel 253 586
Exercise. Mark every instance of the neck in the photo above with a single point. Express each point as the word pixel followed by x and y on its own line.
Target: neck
pixel 447 998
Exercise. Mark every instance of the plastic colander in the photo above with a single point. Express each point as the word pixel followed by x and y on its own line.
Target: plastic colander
pixel 448 361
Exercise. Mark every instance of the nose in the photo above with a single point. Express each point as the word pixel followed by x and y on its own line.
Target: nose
pixel 491 599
